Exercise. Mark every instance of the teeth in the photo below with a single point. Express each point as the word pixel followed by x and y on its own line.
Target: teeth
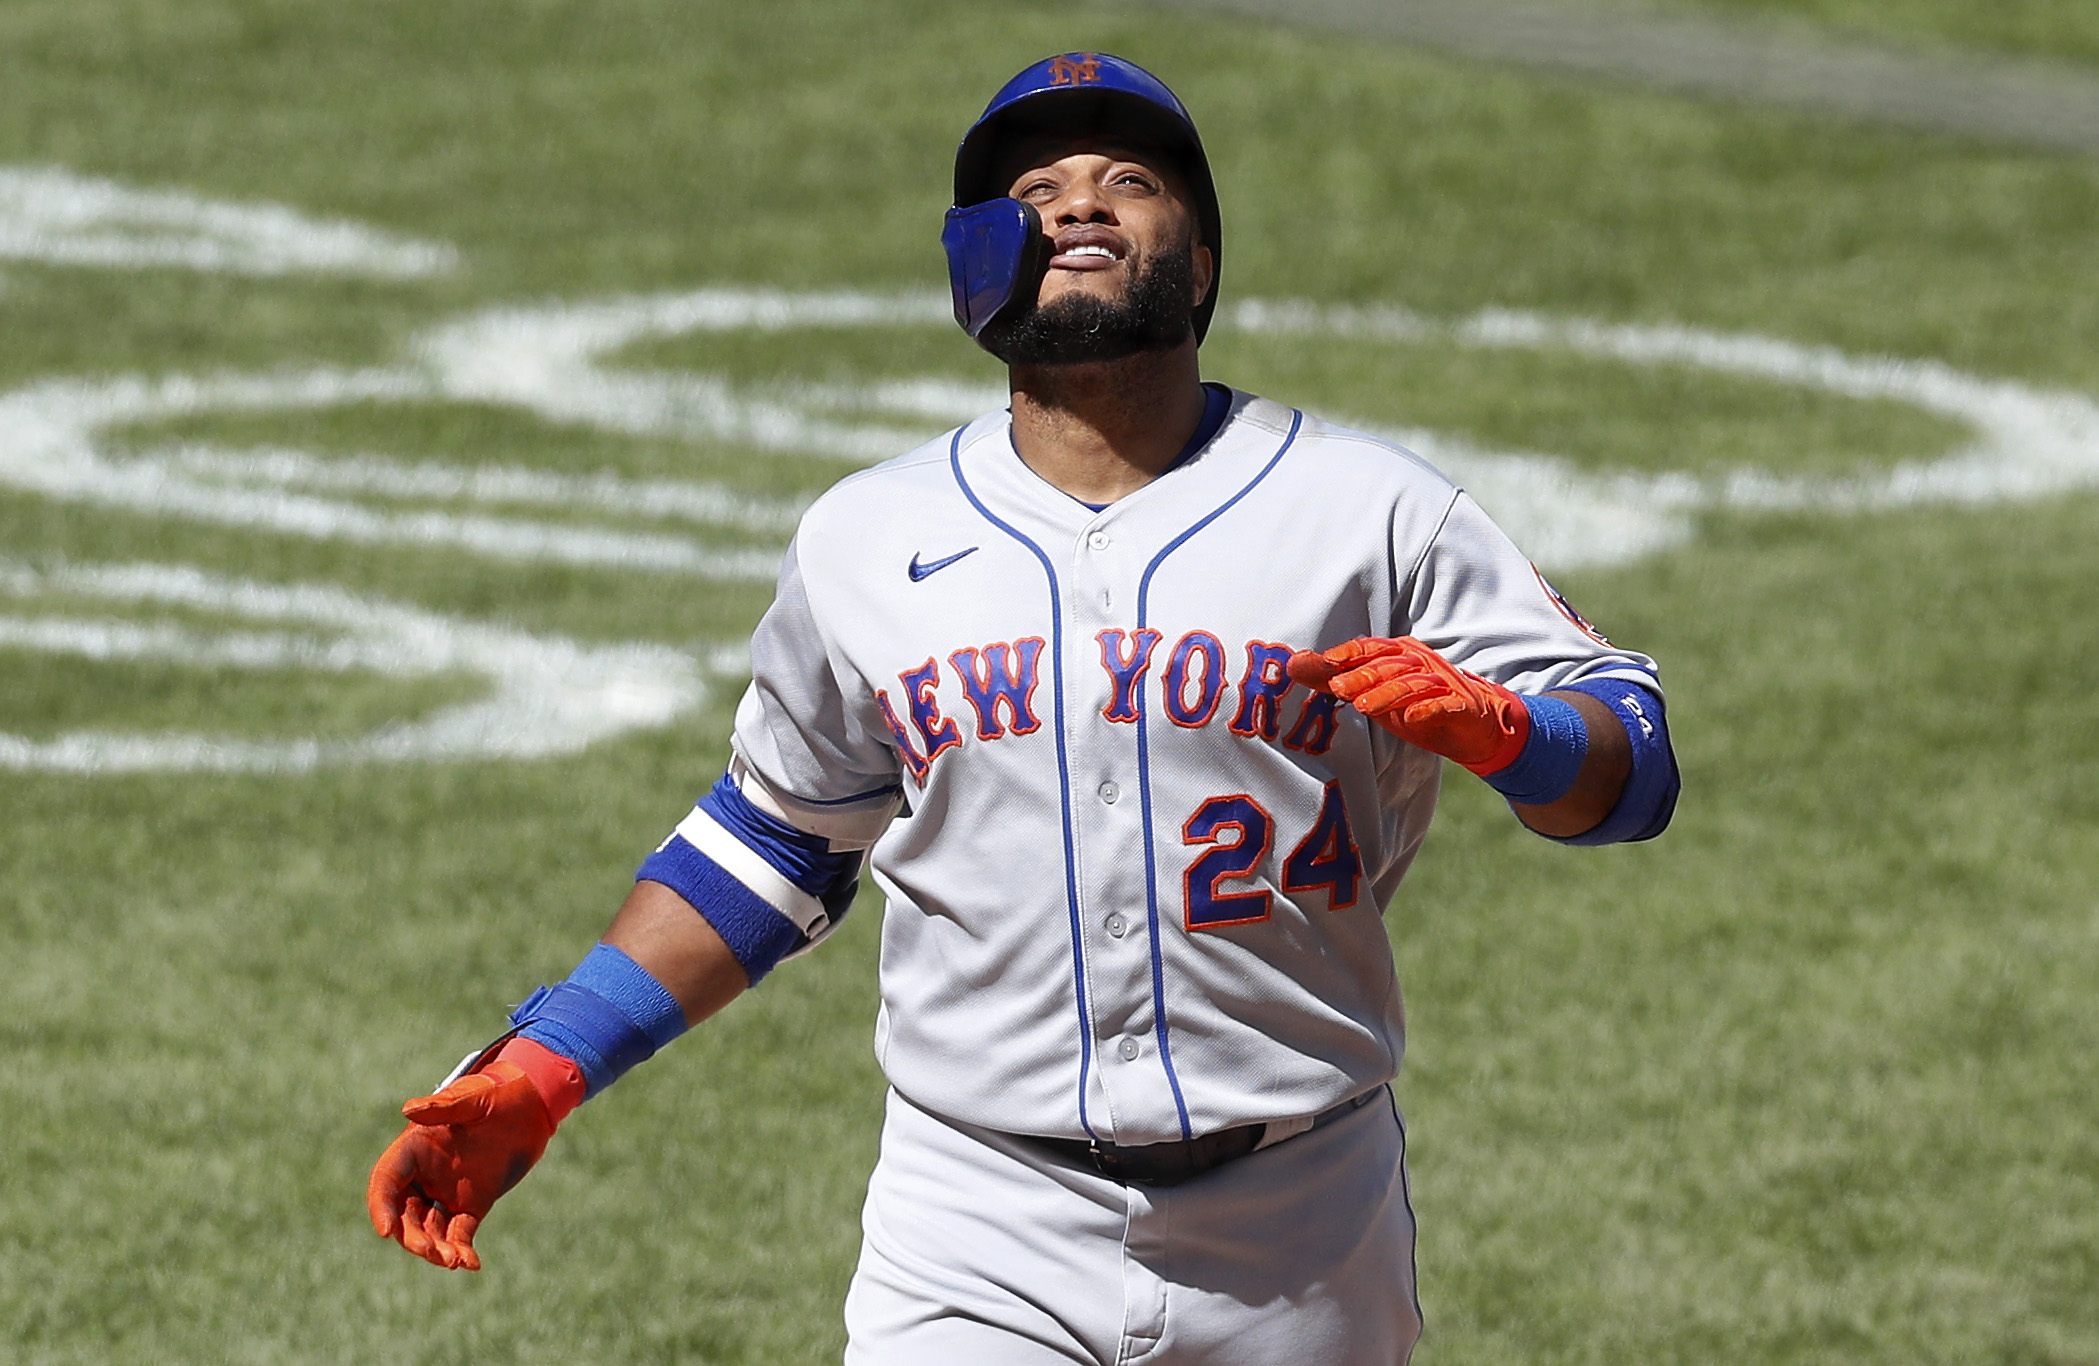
pixel 1091 250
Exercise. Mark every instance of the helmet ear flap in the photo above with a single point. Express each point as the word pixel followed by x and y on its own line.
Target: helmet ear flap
pixel 997 255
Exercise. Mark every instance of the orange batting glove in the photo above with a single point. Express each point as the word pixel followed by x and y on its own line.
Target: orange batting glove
pixel 1422 698
pixel 467 1145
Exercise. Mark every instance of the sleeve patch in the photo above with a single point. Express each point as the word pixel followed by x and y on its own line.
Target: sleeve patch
pixel 1559 600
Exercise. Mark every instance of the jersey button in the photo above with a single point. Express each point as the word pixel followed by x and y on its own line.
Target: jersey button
pixel 1117 926
pixel 1129 1050
pixel 1098 540
pixel 1110 792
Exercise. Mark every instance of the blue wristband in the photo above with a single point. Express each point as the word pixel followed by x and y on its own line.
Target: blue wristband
pixel 608 1016
pixel 1545 770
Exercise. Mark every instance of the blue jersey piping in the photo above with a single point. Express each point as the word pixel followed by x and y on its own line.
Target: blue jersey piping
pixel 1071 878
pixel 1144 776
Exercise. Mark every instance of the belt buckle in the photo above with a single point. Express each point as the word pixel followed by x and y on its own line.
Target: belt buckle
pixel 1122 1164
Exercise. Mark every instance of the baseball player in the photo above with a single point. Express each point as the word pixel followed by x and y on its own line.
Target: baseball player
pixel 1138 695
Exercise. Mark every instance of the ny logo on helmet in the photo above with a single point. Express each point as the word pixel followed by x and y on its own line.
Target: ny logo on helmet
pixel 1077 69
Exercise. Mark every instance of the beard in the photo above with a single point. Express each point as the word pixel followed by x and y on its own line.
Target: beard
pixel 1155 313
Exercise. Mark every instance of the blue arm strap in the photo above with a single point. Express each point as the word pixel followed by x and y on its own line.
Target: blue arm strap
pixel 759 933
pixel 1649 798
pixel 610 1014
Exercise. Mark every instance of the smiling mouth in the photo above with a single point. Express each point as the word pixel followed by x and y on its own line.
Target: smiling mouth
pixel 1085 257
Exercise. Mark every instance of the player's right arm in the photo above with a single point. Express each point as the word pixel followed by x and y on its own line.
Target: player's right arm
pixel 731 892
pixel 756 871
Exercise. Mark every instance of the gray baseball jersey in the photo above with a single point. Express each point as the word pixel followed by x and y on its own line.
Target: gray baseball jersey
pixel 1135 875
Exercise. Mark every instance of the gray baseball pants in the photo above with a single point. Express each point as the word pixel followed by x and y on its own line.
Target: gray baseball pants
pixel 981 1249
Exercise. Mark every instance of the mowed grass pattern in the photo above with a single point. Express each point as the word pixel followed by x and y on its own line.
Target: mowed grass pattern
pixel 1806 1081
pixel 2064 30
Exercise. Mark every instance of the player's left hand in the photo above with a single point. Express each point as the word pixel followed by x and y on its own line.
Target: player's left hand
pixel 463 1148
pixel 1421 697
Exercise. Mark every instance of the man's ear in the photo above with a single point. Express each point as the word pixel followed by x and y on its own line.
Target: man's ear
pixel 1205 272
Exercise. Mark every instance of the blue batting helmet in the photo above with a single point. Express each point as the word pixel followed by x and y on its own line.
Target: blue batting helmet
pixel 1080 94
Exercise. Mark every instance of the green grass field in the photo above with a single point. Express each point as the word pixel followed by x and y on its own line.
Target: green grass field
pixel 1809 1080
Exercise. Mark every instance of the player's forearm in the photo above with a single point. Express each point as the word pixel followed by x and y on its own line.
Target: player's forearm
pixel 732 891
pixel 1597 786
pixel 676 945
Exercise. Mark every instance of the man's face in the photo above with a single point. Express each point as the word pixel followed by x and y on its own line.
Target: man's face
pixel 1126 272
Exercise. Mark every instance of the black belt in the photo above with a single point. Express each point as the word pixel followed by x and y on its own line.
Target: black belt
pixel 1169 1164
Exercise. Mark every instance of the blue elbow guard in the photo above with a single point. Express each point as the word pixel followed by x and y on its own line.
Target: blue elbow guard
pixel 610 1014
pixel 767 888
pixel 1649 798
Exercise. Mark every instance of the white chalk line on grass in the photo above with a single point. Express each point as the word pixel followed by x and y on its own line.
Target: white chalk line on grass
pixel 548 360
pixel 551 360
pixel 555 361
pixel 546 696
pixel 2029 442
pixel 53 435
pixel 560 362
pixel 654 499
pixel 56 216
pixel 51 443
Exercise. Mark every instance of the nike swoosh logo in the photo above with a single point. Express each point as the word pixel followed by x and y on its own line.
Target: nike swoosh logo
pixel 921 571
